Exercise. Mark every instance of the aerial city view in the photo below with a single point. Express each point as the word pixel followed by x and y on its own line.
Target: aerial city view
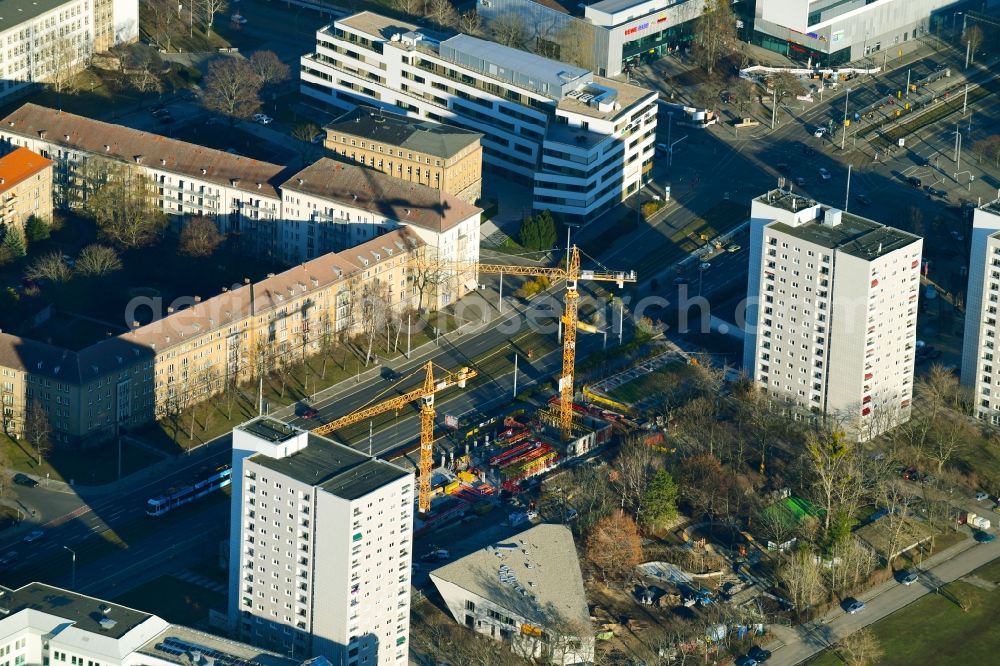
pixel 499 332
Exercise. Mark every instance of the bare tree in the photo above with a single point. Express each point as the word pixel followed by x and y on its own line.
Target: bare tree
pixel 634 467
pixel 38 429
pixel 200 237
pixel 125 208
pixel 411 7
pixel 63 64
pixel 973 39
pixel 232 87
pixel 830 457
pixel 860 648
pixel 51 267
pixel 442 13
pixel 143 68
pixel 160 19
pixel 743 93
pixel 374 311
pixel 470 23
pixel 510 30
pixel 97 261
pixel 715 34
pixel 209 10
pixel 576 43
pixel 801 577
pixel 269 68
pixel 425 279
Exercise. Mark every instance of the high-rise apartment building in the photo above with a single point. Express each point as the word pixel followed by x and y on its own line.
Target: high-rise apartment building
pixel 981 302
pixel 320 547
pixel 584 142
pixel 831 321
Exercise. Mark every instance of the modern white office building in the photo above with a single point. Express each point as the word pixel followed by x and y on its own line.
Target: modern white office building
pixel 833 32
pixel 610 35
pixel 831 322
pixel 981 303
pixel 320 547
pixel 42 624
pixel 584 142
pixel 41 40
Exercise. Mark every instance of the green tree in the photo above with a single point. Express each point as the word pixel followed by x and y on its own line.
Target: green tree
pixel 37 229
pixel 659 502
pixel 538 232
pixel 13 243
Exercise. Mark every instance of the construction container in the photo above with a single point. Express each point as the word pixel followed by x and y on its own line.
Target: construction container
pixel 467 477
pixel 452 488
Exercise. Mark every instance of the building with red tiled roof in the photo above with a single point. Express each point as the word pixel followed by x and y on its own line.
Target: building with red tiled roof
pixel 25 188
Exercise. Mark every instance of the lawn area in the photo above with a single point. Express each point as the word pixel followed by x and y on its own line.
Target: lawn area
pixel 934 625
pixel 647 385
pixel 96 466
pixel 174 600
pixel 9 517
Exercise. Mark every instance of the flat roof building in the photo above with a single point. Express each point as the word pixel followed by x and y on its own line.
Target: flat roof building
pixel 584 142
pixel 835 32
pixel 320 547
pixel 832 312
pixel 983 294
pixel 610 37
pixel 42 624
pixel 526 591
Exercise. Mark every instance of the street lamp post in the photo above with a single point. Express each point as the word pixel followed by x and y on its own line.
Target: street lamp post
pixel 73 578
pixel 843 130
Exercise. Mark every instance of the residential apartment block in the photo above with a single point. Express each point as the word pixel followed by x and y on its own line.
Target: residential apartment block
pixel 25 188
pixel 982 298
pixel 832 312
pixel 44 39
pixel 194 351
pixel 444 157
pixel 320 547
pixel 244 195
pixel 41 624
pixel 584 142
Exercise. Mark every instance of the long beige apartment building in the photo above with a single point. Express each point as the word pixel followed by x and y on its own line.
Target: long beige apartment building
pixel 189 355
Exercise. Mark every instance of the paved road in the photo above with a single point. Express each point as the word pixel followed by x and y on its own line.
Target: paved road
pixel 802 643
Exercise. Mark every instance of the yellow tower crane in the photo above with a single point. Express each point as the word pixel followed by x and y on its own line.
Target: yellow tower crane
pixel 425 394
pixel 571 274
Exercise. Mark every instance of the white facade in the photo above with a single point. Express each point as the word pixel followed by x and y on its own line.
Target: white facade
pixel 831 321
pixel 47 625
pixel 320 547
pixel 851 29
pixel 42 39
pixel 982 298
pixel 583 141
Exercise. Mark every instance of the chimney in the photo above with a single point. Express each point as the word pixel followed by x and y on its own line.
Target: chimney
pixel 259 185
pixel 197 299
pixel 138 159
pixel 2 180
pixel 163 161
pixel 135 324
pixel 301 181
pixel 234 181
pixel 225 289
pixel 66 137
pixel 41 134
pixel 107 148
pixel 204 171
pixel 246 280
pixel 170 309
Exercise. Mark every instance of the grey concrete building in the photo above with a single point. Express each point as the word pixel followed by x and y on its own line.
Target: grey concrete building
pixel 833 32
pixel 526 591
pixel 981 303
pixel 320 547
pixel 831 321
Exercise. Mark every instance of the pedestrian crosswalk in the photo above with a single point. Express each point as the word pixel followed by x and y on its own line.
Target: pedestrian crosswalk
pixel 201 581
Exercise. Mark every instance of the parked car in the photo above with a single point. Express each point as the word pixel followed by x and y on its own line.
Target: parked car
pixel 746 661
pixel 863 199
pixel 908 578
pixel 852 605
pixel 824 174
pixel 759 654
pixel 984 537
pixel 390 375
pixel 914 181
pixel 25 480
pixel 820 132
pixel 734 248
pixel 34 536
pixel 238 18
pixel 800 181
pixel 662 149
pixel 8 558
pixel 981 496
pixel 262 118
pixel 704 266
pixel 680 280
pixel 783 167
